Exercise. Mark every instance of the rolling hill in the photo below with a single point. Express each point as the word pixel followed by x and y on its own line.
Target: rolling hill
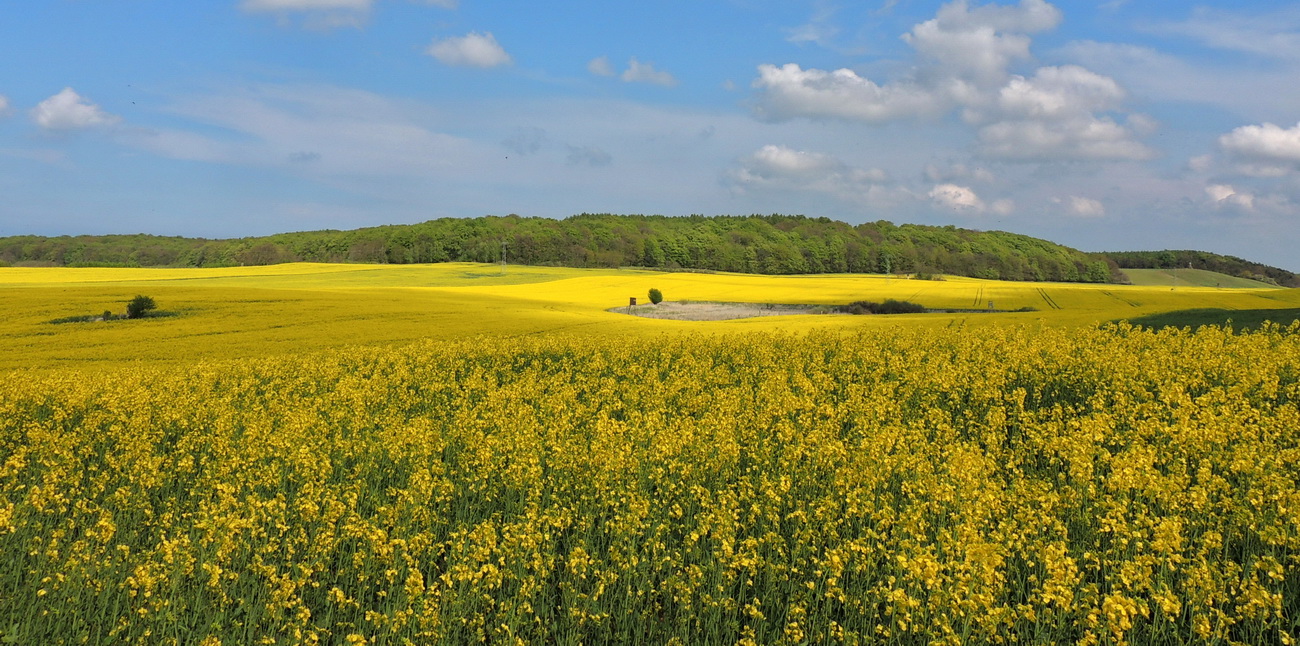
pixel 756 244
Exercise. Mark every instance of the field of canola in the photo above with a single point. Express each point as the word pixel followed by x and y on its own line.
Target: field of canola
pixel 555 473
pixel 244 312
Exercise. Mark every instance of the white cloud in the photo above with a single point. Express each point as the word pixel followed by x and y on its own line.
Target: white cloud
pixel 638 72
pixel 1200 163
pixel 1084 207
pixel 780 161
pixel 957 198
pixel 1089 138
pixel 1053 115
pixel 1225 195
pixel 1065 112
pixel 1266 150
pixel 600 66
pixel 1059 93
pixel 4 105
pixel 790 91
pixel 471 50
pixel 775 167
pixel 68 110
pixel 983 41
pixel 1002 207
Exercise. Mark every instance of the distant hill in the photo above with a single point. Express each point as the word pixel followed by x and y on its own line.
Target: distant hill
pixel 762 244
pixel 1194 277
pixel 1187 259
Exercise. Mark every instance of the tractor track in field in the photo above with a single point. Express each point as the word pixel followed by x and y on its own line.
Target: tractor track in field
pixel 1048 299
pixel 1122 299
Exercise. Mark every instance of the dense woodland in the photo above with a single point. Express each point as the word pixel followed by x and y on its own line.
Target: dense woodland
pixel 764 244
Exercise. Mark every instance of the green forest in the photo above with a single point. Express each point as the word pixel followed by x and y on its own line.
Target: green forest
pixel 763 244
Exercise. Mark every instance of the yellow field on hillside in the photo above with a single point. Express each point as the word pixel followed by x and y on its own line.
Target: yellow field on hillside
pixel 293 308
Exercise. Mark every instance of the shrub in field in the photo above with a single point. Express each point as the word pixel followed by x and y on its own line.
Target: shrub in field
pixel 139 306
pixel 656 296
pixel 890 306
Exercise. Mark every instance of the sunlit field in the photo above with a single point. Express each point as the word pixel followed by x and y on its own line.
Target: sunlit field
pixel 444 454
pixel 294 308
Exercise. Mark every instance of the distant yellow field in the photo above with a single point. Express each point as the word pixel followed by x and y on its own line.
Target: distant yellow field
pixel 293 308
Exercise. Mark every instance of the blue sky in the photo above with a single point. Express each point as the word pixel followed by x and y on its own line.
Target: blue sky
pixel 1101 125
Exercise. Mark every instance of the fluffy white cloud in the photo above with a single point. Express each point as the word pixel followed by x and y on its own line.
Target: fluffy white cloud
pixel 779 161
pixel 983 41
pixel 471 50
pixel 1063 112
pixel 1089 138
pixel 600 66
pixel 68 110
pixel 790 91
pixel 1084 207
pixel 964 53
pixel 1225 195
pixel 1266 150
pixel 1059 92
pixel 784 168
pixel 1200 163
pixel 1053 115
pixel 957 198
pixel 964 199
pixel 4 105
pixel 638 72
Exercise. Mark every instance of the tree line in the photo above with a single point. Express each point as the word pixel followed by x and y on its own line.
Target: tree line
pixel 762 244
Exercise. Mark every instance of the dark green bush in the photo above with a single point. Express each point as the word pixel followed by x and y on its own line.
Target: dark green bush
pixel 139 306
pixel 656 296
pixel 890 306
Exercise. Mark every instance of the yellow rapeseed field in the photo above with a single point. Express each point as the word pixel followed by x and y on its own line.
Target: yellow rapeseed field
pixel 287 309
pixel 444 455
